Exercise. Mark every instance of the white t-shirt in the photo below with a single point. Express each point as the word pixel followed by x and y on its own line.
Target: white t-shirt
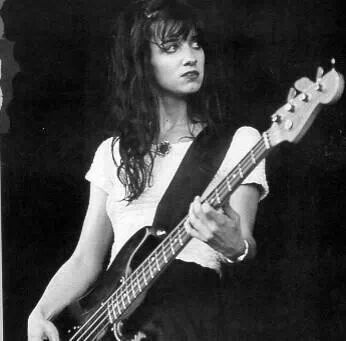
pixel 128 218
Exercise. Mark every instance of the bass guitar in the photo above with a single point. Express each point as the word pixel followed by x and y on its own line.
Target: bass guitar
pixel 101 313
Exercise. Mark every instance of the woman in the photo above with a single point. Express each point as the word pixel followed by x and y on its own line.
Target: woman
pixel 161 100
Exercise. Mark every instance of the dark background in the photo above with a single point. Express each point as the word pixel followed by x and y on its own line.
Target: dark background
pixel 294 289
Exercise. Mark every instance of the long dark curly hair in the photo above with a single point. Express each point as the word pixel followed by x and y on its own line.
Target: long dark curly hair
pixel 132 98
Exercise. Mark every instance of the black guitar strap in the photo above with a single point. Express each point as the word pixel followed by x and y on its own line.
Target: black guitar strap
pixel 195 172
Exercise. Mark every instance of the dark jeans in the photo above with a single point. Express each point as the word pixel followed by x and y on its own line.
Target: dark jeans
pixel 185 304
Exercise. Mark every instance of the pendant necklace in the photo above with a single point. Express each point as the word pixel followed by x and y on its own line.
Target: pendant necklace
pixel 163 148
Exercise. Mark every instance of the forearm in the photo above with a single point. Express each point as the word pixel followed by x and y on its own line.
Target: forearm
pixel 70 282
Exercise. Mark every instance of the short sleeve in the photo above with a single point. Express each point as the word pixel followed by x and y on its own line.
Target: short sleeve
pixel 243 140
pixel 103 169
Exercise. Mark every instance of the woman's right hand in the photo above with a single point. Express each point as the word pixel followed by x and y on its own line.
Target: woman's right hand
pixel 40 328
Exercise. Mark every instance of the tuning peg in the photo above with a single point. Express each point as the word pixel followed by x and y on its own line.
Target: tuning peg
pixel 303 84
pixel 319 73
pixel 289 107
pixel 304 97
pixel 276 118
pixel 332 61
pixel 291 94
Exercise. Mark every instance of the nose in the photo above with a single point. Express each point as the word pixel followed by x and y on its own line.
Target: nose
pixel 189 58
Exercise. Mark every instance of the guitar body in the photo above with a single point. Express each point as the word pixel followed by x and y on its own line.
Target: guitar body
pixel 130 256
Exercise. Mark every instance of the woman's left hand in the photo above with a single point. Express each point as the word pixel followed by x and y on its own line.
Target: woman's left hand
pixel 222 232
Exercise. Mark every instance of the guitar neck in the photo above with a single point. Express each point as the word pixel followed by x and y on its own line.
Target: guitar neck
pixel 151 268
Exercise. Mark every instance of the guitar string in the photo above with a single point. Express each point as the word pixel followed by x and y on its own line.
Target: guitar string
pixel 149 266
pixel 221 190
pixel 105 320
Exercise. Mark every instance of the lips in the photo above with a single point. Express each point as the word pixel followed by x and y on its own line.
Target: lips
pixel 192 73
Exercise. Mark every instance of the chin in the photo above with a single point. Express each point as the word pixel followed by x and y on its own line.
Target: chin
pixel 193 88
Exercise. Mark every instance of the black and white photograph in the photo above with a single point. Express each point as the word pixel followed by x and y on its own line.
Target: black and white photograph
pixel 172 170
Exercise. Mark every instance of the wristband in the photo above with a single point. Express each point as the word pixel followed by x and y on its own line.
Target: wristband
pixel 242 256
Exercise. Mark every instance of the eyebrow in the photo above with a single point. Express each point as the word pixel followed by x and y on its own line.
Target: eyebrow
pixel 171 40
pixel 178 38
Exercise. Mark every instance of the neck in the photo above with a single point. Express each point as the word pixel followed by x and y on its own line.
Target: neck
pixel 172 113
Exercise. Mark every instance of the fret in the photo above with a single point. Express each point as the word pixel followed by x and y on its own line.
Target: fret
pixel 171 245
pixel 266 140
pixel 157 263
pixel 113 308
pixel 109 313
pixel 253 158
pixel 138 283
pixel 164 253
pixel 145 278
pixel 127 294
pixel 176 242
pixel 132 288
pixel 212 201
pixel 240 171
pixel 218 199
pixel 229 186
pixel 150 268
pixel 179 237
pixel 118 303
pixel 234 175
pixel 122 295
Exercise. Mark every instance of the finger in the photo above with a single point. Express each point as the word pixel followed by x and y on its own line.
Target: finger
pixel 35 338
pixel 199 230
pixel 38 337
pixel 51 332
pixel 197 213
pixel 193 212
pixel 197 217
pixel 206 219
pixel 190 229
pixel 193 224
pixel 214 217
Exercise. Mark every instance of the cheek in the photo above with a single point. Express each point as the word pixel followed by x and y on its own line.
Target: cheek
pixel 202 60
pixel 162 71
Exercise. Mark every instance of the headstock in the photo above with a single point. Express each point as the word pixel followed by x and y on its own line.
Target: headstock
pixel 292 120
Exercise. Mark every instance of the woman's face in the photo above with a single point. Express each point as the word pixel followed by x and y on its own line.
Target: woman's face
pixel 178 65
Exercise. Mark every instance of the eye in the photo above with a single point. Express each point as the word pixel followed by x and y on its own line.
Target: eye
pixel 170 47
pixel 196 42
pixel 196 45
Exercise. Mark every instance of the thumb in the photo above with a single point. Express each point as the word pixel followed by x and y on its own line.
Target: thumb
pixel 51 331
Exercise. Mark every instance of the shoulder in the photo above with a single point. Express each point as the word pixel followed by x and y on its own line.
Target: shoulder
pixel 108 144
pixel 102 171
pixel 241 142
pixel 108 149
pixel 246 134
pixel 244 139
